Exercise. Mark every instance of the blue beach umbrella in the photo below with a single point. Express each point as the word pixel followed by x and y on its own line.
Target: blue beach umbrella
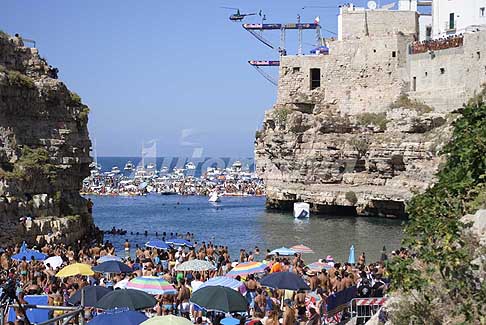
pixel 230 321
pixel 157 243
pixel 112 267
pixel 351 258
pixel 283 251
pixel 179 242
pixel 107 258
pixel 120 317
pixel 28 254
pixel 284 280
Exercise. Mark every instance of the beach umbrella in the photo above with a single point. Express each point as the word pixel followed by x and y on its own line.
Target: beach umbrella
pixel 107 258
pixel 28 254
pixel 142 185
pixel 284 280
pixel 112 267
pixel 167 320
pixel 119 317
pixel 283 251
pixel 220 299
pixel 351 258
pixel 302 249
pixel 128 298
pixel 246 268
pixel 152 285
pixel 319 266
pixel 157 243
pixel 195 265
pixel 179 242
pixel 92 294
pixel 75 269
pixel 230 321
pixel 223 281
pixel 54 261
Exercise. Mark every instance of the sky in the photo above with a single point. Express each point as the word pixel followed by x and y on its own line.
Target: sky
pixel 172 72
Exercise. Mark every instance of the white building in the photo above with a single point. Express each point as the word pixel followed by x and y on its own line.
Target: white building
pixel 457 16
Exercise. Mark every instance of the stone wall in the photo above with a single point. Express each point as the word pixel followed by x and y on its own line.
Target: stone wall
pixel 363 142
pixel 44 149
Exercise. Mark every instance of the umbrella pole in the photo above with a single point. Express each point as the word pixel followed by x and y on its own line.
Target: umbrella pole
pixel 81 314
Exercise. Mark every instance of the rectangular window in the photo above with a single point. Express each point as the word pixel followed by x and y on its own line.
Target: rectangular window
pixel 478 54
pixel 481 12
pixel 394 54
pixel 315 78
pixel 428 33
pixel 414 84
pixel 295 69
pixel 452 24
pixel 442 70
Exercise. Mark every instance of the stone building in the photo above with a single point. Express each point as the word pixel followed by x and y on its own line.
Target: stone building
pixel 359 130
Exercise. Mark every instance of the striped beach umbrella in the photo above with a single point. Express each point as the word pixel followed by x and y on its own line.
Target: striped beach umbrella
pixel 152 285
pixel 223 281
pixel 318 266
pixel 302 249
pixel 246 268
pixel 195 265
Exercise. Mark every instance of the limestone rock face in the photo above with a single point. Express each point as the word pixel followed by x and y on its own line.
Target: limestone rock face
pixel 44 149
pixel 346 135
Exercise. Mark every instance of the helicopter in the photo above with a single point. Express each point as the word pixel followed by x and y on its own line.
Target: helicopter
pixel 238 16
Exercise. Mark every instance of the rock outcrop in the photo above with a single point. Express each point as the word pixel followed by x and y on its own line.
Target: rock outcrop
pixel 350 132
pixel 44 150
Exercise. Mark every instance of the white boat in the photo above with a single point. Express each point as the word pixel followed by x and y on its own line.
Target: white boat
pixel 164 170
pixel 214 197
pixel 190 166
pixel 151 167
pixel 115 170
pixel 129 166
pixel 301 210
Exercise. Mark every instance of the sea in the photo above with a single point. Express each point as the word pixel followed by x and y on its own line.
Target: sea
pixel 240 222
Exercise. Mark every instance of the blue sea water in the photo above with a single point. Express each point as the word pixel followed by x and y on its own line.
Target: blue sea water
pixel 242 222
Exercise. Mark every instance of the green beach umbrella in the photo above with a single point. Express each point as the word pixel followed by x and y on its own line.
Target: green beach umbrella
pixel 219 298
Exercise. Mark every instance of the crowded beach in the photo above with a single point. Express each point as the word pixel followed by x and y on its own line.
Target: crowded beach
pixel 235 180
pixel 182 281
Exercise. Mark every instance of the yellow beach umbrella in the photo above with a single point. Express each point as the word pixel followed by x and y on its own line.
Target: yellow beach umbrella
pixel 75 269
pixel 167 320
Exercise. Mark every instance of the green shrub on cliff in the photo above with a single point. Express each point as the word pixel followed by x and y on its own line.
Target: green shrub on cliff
pixel 375 119
pixel 281 114
pixel 84 113
pixel 405 102
pixel 16 78
pixel 32 162
pixel 75 99
pixel 351 197
pixel 441 284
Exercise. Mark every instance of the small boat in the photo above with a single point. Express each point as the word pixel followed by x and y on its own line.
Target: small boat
pixel 151 167
pixel 214 197
pixel 164 170
pixel 190 166
pixel 129 166
pixel 301 210
pixel 115 170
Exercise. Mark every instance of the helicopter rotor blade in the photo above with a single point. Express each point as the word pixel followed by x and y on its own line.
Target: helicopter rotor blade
pixel 252 14
pixel 231 8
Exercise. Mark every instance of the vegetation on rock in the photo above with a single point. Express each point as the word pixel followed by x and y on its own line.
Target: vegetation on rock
pixel 375 119
pixel 351 197
pixel 30 163
pixel 405 102
pixel 441 283
pixel 16 78
pixel 75 99
pixel 83 114
pixel 281 114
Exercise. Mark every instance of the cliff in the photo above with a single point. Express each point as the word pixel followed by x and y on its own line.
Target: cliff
pixel 359 131
pixel 44 150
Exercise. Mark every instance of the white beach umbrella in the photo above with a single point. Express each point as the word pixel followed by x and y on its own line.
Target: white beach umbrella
pixel 53 261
